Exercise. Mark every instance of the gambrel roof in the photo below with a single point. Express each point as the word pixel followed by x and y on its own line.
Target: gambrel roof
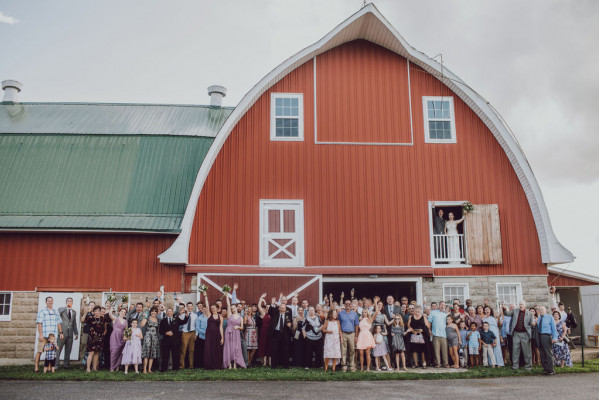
pixel 369 24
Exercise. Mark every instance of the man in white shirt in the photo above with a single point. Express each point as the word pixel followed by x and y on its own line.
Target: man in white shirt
pixel 188 336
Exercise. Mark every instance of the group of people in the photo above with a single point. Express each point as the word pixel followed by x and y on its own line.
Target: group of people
pixel 281 333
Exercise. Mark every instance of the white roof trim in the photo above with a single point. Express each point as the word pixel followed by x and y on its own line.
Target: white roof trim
pixel 369 24
pixel 573 274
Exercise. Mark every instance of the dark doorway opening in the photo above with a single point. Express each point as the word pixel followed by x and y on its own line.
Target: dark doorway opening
pixel 369 288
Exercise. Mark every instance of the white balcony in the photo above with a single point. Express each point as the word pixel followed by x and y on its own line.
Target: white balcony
pixel 449 249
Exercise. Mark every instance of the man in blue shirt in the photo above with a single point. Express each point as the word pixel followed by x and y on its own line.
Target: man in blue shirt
pixel 547 336
pixel 200 327
pixel 349 332
pixel 438 320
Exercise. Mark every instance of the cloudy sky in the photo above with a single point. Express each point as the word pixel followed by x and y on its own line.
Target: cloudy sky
pixel 535 61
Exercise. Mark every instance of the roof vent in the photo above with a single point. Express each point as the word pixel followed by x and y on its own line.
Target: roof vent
pixel 216 93
pixel 11 91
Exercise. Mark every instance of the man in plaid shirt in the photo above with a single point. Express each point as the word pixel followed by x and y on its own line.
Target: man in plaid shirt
pixel 48 321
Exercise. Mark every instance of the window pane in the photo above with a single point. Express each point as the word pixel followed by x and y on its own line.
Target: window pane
pixel 5 309
pixel 279 102
pixel 294 102
pixel 274 221
pixel 2 298
pixel 289 221
pixel 287 102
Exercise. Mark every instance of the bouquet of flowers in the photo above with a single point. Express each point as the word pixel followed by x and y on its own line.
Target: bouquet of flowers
pixel 111 298
pixel 226 290
pixel 128 333
pixel 467 207
pixel 202 289
pixel 125 299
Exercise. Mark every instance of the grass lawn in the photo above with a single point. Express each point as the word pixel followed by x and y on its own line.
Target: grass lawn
pixel 267 374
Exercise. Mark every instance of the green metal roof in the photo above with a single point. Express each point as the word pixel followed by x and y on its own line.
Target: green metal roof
pixel 104 182
pixel 110 119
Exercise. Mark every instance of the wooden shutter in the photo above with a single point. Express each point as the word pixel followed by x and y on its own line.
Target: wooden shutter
pixel 483 236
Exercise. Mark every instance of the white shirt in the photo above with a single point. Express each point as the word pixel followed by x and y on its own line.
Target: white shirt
pixel 193 317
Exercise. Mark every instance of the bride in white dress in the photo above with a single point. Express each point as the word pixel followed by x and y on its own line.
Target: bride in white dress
pixel 453 240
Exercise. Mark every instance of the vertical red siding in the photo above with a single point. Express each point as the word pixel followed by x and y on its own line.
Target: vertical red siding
pixel 557 280
pixel 363 205
pixel 91 261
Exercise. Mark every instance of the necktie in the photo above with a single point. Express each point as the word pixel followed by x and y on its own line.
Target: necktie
pixel 281 322
pixel 69 314
pixel 189 323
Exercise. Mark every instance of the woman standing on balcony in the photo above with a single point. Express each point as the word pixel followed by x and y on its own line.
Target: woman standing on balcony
pixel 453 240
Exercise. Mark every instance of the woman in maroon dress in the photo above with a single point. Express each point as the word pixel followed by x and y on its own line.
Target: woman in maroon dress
pixel 263 342
pixel 213 345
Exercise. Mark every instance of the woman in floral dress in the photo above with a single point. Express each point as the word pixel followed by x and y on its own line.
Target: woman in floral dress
pixel 561 352
pixel 151 345
pixel 332 340
pixel 95 341
pixel 251 335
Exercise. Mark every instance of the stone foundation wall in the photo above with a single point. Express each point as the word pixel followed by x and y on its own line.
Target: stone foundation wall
pixel 534 288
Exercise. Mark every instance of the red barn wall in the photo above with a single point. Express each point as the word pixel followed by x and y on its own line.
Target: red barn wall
pixel 123 262
pixel 363 205
pixel 560 280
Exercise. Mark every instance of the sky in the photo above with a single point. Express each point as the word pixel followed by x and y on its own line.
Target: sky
pixel 535 61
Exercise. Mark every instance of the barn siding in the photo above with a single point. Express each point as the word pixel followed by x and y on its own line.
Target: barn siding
pixel 560 280
pixel 121 262
pixel 363 205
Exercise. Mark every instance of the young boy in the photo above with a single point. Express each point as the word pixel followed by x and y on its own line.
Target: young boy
pixel 487 342
pixel 50 350
pixel 473 344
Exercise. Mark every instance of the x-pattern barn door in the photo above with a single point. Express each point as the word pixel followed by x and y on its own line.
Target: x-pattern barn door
pixel 281 226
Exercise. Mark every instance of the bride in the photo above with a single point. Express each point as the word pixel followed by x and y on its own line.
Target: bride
pixel 453 240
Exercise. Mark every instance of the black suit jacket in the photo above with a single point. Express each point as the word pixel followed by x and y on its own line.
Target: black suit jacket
pixel 396 310
pixel 275 320
pixel 173 326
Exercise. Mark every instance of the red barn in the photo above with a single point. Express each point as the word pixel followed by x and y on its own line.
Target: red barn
pixel 327 176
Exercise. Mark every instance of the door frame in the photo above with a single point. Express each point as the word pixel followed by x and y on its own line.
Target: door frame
pixel 416 280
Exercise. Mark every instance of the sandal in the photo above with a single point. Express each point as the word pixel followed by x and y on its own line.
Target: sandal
pixel 424 366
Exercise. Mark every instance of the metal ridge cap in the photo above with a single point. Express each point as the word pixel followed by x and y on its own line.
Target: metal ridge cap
pixel 42 103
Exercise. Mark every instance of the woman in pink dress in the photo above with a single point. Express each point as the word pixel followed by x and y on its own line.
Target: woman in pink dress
pixel 263 342
pixel 365 338
pixel 232 355
pixel 119 324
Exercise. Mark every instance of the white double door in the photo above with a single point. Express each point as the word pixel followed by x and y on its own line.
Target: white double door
pixel 60 299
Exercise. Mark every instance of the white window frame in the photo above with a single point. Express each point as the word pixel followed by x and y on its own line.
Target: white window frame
pixel 300 117
pixel 266 205
pixel 8 318
pixel 466 288
pixel 518 286
pixel 439 204
pixel 427 138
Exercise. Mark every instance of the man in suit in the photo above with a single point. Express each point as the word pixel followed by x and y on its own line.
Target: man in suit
pixel 70 332
pixel 137 313
pixel 520 329
pixel 279 332
pixel 390 310
pixel 169 329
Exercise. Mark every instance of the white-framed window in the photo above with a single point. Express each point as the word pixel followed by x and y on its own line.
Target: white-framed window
pixel 282 233
pixel 452 291
pixel 287 116
pixel 509 293
pixel 5 306
pixel 439 119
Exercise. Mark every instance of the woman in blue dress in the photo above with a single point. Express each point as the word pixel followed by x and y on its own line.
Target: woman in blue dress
pixel 493 327
pixel 561 352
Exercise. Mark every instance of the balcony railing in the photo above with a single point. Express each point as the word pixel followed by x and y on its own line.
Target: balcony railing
pixel 449 249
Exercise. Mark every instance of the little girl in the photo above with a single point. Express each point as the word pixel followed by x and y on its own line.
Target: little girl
pixel 398 345
pixel 463 351
pixel 380 349
pixel 473 344
pixel 365 338
pixel 132 349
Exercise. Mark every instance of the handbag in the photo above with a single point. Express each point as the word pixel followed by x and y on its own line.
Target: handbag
pixel 417 338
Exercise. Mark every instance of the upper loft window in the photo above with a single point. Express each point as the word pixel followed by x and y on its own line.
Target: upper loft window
pixel 439 120
pixel 287 116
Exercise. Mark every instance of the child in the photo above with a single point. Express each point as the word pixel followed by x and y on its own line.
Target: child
pixel 473 339
pixel 380 348
pixel 132 349
pixel 399 347
pixel 50 350
pixel 487 341
pixel 463 344
pixel 453 340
